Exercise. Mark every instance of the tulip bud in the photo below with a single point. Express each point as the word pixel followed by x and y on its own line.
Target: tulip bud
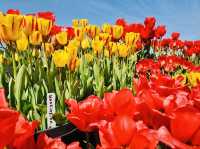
pixel 131 38
pixel 117 31
pixel 83 22
pixel 123 50
pixel 62 38
pixel 75 23
pixel 93 31
pixel 89 57
pixel 85 43
pixel 79 33
pixel 44 26
pixel 105 37
pixel 60 58
pixel 35 38
pixel 106 28
pixel 11 26
pixel 73 63
pixel 22 42
pixel 48 47
pixel 97 46
pixel 30 23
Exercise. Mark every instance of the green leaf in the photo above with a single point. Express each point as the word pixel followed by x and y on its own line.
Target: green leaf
pixel 19 85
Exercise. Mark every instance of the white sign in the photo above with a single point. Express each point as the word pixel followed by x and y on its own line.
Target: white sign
pixel 51 101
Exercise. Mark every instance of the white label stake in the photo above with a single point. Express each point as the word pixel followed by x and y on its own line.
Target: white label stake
pixel 51 101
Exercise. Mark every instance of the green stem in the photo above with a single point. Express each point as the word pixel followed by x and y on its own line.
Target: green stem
pixel 14 65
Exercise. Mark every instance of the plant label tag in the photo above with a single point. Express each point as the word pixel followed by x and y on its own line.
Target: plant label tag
pixel 51 101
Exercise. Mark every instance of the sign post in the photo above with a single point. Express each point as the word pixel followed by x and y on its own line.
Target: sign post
pixel 51 101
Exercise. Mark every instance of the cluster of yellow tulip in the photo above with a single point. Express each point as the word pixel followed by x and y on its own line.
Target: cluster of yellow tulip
pixel 93 37
pixel 29 32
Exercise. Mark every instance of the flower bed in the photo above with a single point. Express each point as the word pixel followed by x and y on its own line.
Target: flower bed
pixel 119 86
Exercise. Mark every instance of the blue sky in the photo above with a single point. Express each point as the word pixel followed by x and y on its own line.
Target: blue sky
pixel 178 15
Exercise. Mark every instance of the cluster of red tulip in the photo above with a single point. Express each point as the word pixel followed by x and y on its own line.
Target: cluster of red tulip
pixel 162 111
pixel 151 35
pixel 17 133
pixel 165 63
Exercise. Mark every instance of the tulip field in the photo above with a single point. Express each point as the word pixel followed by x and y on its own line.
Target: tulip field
pixel 125 82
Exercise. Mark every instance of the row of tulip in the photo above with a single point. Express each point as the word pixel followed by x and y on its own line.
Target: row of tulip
pixel 163 112
pixel 161 77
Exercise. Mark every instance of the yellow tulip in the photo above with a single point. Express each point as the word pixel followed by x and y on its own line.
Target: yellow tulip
pixel 131 38
pixel 117 31
pixel 113 48
pixel 60 58
pixel 11 26
pixel 106 52
pixel 22 42
pixel 72 47
pixel 97 46
pixel 85 43
pixel 62 38
pixel 194 78
pixel 1 58
pixel 93 30
pixel 73 63
pixel 79 33
pixel 83 22
pixel 75 23
pixel 123 49
pixel 48 47
pixel 106 28
pixel 105 37
pixel 35 38
pixel 30 23
pixel 44 26
pixel 89 57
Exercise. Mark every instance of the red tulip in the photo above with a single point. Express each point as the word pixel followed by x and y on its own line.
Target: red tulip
pixel 13 11
pixel 3 102
pixel 8 120
pixel 107 138
pixel 195 139
pixel 146 33
pixel 140 84
pixel 144 139
pixel 55 29
pixel 165 42
pixel 121 102
pixel 160 31
pixel 47 15
pixel 175 35
pixel 146 65
pixel 74 145
pixel 85 113
pixel 185 123
pixel 117 133
pixel 44 142
pixel 165 137
pixel 166 86
pixel 70 33
pixel 195 96
pixel 121 22
pixel 150 22
pixel 138 45
pixel 135 27
pixel 123 129
pixel 24 132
